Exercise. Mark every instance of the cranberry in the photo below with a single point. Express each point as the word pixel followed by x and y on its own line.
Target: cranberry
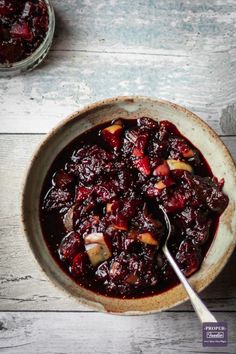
pixel 167 128
pixel 147 123
pixel 10 52
pixel 188 257
pixel 152 191
pixel 83 224
pixel 9 7
pixel 208 192
pixel 113 135
pixel 140 145
pixel 121 222
pixel 40 23
pixel 159 147
pixel 142 164
pixel 125 179
pixel 180 149
pixel 168 181
pixel 90 163
pixel 107 196
pixel 22 31
pixel 106 191
pixel 175 203
pixel 82 193
pixel 217 201
pixel 58 198
pixel 62 179
pixel 79 265
pixel 70 246
pixel 130 207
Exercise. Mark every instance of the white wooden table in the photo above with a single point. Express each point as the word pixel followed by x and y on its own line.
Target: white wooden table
pixel 183 51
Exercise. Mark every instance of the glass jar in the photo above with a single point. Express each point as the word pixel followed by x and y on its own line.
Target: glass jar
pixel 7 70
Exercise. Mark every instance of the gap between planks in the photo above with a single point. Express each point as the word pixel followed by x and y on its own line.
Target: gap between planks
pixel 161 54
pixel 98 333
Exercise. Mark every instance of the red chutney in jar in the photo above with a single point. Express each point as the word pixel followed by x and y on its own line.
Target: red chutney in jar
pixel 99 207
pixel 23 27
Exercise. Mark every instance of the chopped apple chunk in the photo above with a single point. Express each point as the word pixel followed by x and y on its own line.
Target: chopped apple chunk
pixel 112 129
pixel 121 227
pixel 179 165
pixel 133 234
pixel 95 237
pixel 132 278
pixel 167 182
pixel 148 238
pixel 112 135
pixel 97 253
pixel 160 185
pixel 97 248
pixel 162 170
pixel 113 206
pixel 120 222
pixel 68 219
pixel 188 153
pixel 108 207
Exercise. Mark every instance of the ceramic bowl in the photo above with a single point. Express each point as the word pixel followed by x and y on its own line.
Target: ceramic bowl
pixel 191 126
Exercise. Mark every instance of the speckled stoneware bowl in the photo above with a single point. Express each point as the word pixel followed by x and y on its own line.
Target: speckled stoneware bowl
pixel 190 126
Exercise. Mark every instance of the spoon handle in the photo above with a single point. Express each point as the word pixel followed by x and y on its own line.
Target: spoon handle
pixel 201 310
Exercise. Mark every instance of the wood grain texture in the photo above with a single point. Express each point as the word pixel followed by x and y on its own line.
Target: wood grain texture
pixel 22 285
pixel 106 334
pixel 181 51
pixel 156 27
pixel 206 84
pixel 228 119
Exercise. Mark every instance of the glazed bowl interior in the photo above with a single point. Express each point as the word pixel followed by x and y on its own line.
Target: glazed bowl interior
pixel 190 126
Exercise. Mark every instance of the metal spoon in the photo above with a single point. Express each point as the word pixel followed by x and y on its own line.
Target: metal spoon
pixel 201 310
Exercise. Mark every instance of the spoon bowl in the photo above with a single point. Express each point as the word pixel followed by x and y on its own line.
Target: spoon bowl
pixel 201 310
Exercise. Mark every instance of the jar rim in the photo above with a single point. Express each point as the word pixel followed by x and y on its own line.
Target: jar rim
pixel 22 64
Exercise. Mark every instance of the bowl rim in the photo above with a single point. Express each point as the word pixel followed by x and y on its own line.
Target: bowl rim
pixel 78 114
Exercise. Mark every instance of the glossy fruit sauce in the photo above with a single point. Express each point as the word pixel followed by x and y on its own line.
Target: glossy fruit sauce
pixel 23 27
pixel 99 207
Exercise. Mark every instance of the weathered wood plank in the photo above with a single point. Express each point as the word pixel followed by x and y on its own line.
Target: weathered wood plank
pixel 98 333
pixel 22 285
pixel 148 26
pixel 181 51
pixel 66 81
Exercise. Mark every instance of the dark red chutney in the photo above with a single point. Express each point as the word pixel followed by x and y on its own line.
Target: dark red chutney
pixel 23 27
pixel 99 207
